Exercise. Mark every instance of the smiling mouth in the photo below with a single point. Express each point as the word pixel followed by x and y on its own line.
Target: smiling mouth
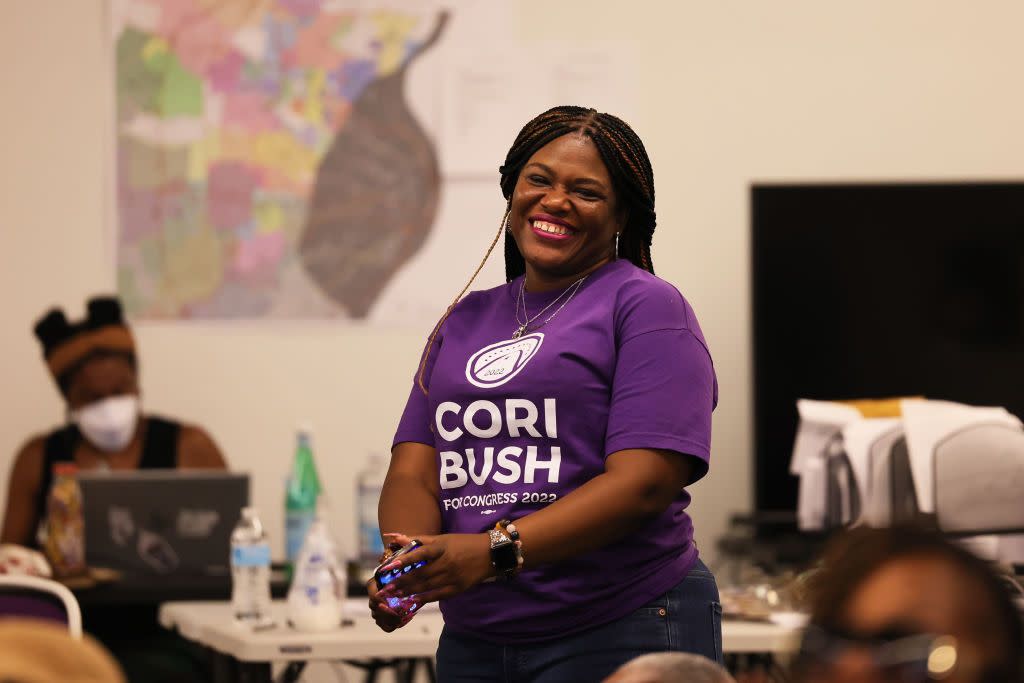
pixel 553 229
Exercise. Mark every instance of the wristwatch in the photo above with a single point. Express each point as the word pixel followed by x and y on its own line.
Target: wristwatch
pixel 504 557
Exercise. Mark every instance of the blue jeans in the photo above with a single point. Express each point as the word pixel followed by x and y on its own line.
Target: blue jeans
pixel 688 618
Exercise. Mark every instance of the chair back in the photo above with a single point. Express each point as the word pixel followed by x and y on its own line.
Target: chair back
pixel 979 476
pixel 35 597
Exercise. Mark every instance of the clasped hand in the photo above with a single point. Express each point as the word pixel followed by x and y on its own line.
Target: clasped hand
pixel 455 563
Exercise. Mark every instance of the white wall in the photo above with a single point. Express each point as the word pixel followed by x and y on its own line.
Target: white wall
pixel 733 92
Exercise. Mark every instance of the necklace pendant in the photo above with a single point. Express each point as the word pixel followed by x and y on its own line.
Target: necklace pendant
pixel 519 332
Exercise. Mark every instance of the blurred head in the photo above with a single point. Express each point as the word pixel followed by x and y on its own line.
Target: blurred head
pixel 670 667
pixel 93 362
pixel 906 605
pixel 36 651
pixel 574 178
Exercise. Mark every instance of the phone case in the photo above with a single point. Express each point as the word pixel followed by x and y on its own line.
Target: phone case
pixel 408 604
pixel 384 578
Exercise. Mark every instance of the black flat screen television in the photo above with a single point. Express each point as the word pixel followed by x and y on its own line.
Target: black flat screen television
pixel 881 290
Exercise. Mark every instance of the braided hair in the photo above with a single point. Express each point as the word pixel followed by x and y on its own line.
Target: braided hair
pixel 632 177
pixel 624 156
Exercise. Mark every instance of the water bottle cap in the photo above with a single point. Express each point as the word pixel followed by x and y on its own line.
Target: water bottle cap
pixel 304 428
pixel 65 469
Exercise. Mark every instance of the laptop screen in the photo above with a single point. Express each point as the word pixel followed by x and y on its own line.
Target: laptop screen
pixel 162 521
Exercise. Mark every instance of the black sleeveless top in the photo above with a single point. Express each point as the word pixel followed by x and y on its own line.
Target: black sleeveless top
pixel 159 451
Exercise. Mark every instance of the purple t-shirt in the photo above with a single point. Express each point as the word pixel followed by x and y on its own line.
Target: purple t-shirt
pixel 520 423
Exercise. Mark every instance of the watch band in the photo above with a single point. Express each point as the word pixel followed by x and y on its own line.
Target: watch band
pixel 506 549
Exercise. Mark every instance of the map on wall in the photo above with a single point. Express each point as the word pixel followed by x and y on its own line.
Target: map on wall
pixel 322 158
pixel 266 162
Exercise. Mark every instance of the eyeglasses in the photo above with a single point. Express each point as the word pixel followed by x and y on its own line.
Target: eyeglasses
pixel 896 655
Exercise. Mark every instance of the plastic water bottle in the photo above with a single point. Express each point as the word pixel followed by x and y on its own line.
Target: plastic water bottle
pixel 317 594
pixel 250 568
pixel 300 496
pixel 368 488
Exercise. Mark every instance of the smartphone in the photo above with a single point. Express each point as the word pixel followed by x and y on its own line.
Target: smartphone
pixel 408 604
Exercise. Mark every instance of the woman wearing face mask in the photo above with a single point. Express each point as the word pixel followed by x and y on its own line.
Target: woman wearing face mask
pixel 93 362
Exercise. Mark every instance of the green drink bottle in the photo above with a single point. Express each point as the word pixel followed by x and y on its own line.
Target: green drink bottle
pixel 300 497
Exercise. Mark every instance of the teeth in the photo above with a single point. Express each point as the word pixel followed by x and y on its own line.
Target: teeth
pixel 551 228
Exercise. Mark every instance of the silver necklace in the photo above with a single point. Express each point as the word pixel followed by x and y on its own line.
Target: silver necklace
pixel 521 301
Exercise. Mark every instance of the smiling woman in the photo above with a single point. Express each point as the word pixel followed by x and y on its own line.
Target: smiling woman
pixel 553 426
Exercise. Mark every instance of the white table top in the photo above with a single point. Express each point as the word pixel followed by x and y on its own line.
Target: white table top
pixel 212 624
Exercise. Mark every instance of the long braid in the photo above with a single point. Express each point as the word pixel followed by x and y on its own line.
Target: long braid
pixel 451 307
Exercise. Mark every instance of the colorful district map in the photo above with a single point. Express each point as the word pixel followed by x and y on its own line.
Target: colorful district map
pixel 267 162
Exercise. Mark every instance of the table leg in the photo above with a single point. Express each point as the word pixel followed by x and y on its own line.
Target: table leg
pixel 223 667
pixel 406 669
pixel 227 669
pixel 254 672
pixel 292 672
pixel 375 666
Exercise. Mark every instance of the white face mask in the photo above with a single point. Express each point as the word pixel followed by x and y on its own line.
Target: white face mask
pixel 109 424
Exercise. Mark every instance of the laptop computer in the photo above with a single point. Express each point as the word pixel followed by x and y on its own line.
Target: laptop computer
pixel 162 521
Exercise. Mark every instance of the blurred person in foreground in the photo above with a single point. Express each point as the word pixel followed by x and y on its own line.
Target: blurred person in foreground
pixel 94 365
pixel 905 604
pixel 670 667
pixel 37 651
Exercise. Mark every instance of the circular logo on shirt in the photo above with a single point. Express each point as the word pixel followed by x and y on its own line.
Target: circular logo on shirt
pixel 496 364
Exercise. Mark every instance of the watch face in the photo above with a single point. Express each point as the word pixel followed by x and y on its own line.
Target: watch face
pixel 504 556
